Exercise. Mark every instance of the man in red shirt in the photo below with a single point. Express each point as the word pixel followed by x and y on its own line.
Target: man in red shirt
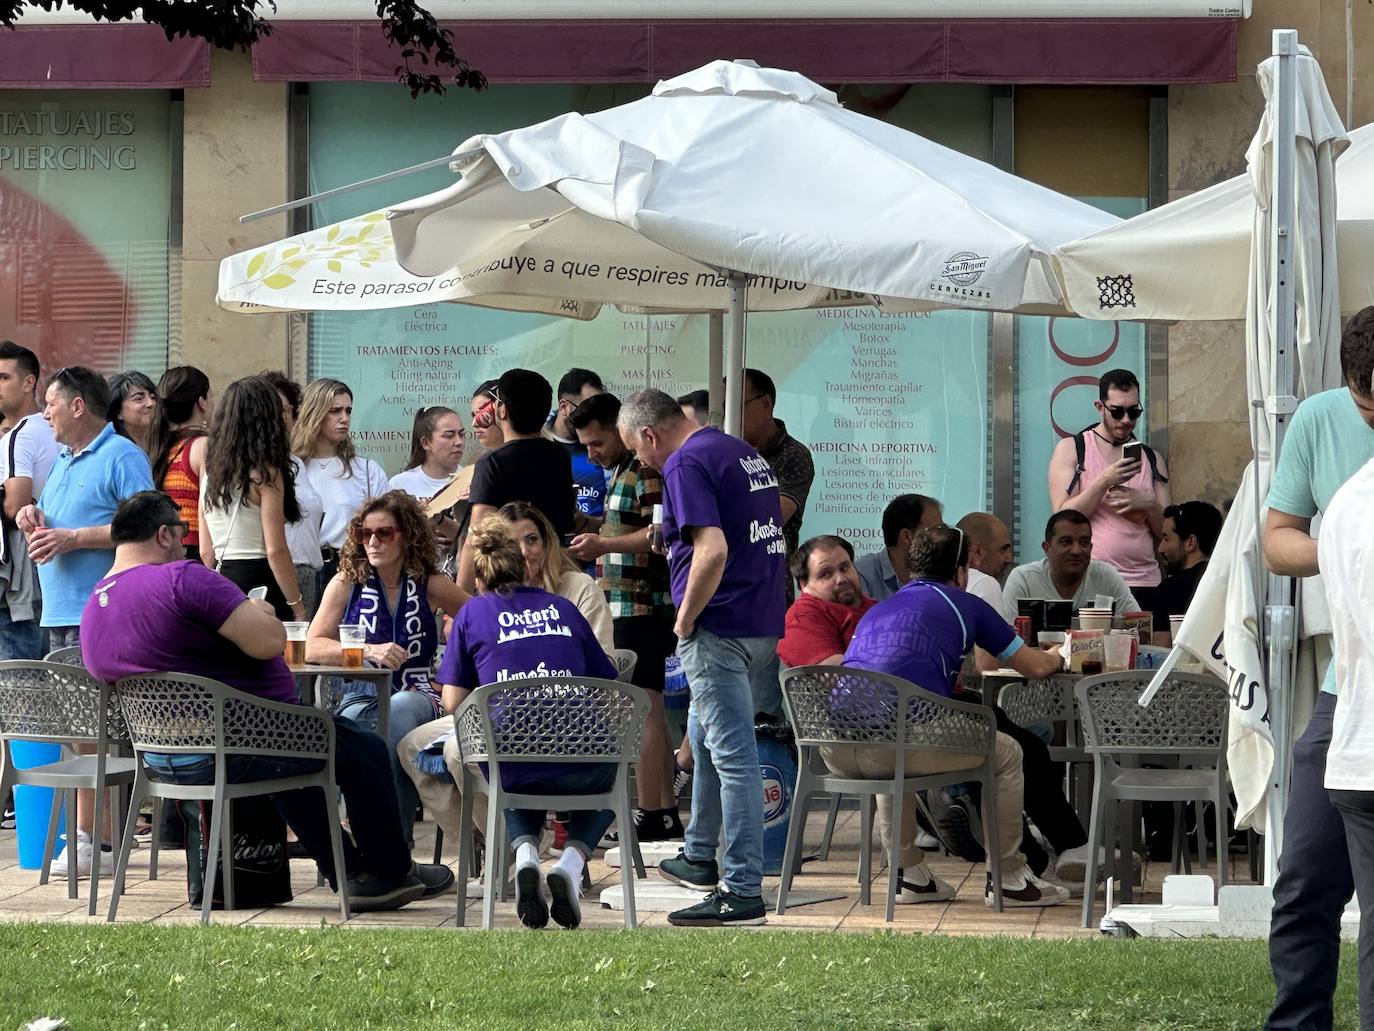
pixel 822 619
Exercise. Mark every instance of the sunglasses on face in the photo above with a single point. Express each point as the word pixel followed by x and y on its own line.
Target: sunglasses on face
pixel 1123 412
pixel 384 534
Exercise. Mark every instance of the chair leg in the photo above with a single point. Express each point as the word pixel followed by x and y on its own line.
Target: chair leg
pixel 494 864
pixel 894 844
pixel 157 832
pixel 207 892
pixel 50 844
pixel 336 847
pixel 796 823
pixel 69 797
pixel 993 845
pixel 627 875
pixel 97 843
pixel 1223 849
pixel 1094 846
pixel 438 843
pixel 466 847
pixel 126 843
pixel 865 847
pixel 829 826
pixel 1202 836
pixel 226 855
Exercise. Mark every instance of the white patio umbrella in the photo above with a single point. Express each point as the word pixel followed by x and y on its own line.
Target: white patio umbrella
pixel 729 187
pixel 1294 226
pixel 1189 259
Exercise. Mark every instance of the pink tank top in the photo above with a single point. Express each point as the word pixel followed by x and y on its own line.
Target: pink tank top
pixel 1117 539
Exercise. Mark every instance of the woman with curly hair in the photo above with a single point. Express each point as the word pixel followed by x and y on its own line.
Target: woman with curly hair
pixel 248 495
pixel 177 444
pixel 388 582
pixel 133 398
pixel 341 477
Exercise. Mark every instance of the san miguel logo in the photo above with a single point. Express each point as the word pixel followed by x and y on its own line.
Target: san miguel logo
pixel 961 272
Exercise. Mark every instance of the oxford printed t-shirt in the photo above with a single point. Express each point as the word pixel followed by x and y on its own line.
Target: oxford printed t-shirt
pixel 719 480
pixel 923 632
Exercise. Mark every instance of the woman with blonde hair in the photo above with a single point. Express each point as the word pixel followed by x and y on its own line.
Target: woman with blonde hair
pixel 388 582
pixel 341 477
pixel 554 636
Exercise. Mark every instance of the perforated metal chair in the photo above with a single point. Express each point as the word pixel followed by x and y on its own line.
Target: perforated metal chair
pixel 62 703
pixel 1184 722
pixel 185 715
pixel 566 720
pixel 66 657
pixel 834 705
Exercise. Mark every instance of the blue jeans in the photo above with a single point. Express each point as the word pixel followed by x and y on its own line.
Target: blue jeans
pixel 360 771
pixel 22 639
pixel 726 674
pixel 1314 884
pixel 409 709
pixel 585 826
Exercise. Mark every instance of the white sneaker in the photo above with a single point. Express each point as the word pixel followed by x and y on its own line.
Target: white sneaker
pixel 83 859
pixel 927 842
pixel 1072 865
pixel 1022 889
pixel 564 897
pixel 916 884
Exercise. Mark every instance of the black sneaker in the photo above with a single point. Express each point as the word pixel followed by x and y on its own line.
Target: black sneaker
pixel 688 872
pixel 682 780
pixel 368 893
pixel 721 908
pixel 437 878
pixel 957 825
pixel 530 906
pixel 650 825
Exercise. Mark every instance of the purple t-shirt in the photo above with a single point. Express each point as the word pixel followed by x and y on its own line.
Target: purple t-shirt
pixel 923 632
pixel 166 618
pixel 527 633
pixel 718 480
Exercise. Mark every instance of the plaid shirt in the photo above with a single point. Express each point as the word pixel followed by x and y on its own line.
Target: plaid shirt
pixel 635 585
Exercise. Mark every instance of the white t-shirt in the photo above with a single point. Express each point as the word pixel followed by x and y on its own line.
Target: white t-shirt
pixel 28 450
pixel 303 538
pixel 980 585
pixel 418 483
pixel 1345 555
pixel 342 496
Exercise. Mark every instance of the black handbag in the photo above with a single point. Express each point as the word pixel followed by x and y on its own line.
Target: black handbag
pixel 257 855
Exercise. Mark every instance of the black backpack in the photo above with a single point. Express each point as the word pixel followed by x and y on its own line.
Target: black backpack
pixel 1080 443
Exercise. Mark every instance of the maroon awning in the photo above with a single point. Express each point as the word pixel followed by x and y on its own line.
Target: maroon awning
pixel 1078 52
pixel 100 56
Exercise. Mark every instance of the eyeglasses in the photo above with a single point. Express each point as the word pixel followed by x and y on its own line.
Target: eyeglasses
pixel 179 528
pixel 384 534
pixel 1123 412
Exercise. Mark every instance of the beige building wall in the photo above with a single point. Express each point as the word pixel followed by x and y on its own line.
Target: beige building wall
pixel 235 161
pixel 1209 129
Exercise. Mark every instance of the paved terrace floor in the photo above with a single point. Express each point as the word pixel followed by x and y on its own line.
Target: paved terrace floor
pixel 163 901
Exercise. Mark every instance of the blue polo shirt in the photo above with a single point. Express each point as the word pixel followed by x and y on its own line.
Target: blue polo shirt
pixel 84 490
pixel 923 632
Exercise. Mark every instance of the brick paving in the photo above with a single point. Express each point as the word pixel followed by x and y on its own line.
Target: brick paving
pixel 163 901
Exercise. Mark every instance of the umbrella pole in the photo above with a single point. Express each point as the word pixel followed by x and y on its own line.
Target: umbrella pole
pixel 1278 629
pixel 715 368
pixel 738 286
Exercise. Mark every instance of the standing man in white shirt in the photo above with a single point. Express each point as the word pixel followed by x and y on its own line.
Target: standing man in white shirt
pixel 1345 555
pixel 27 453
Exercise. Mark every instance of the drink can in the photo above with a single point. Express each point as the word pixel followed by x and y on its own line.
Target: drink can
pixel 1023 629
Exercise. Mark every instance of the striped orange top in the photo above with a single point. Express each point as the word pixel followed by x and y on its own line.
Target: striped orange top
pixel 182 485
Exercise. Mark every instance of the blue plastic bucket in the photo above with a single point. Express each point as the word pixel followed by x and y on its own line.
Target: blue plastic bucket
pixel 32 805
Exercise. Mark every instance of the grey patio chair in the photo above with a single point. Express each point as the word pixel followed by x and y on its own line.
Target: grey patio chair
pixel 66 656
pixel 564 720
pixel 1184 723
pixel 186 715
pixel 834 705
pixel 62 703
pixel 1031 702
pixel 625 661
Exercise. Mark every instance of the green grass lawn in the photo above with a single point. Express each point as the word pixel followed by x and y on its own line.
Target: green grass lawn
pixel 193 977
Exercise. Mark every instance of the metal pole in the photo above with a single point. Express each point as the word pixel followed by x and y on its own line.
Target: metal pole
pixel 715 368
pixel 1279 407
pixel 734 352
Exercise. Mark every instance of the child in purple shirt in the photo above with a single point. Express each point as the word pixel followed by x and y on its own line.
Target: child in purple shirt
pixel 510 632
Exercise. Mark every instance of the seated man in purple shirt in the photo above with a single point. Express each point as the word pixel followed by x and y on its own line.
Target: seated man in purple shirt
pixel 154 612
pixel 922 634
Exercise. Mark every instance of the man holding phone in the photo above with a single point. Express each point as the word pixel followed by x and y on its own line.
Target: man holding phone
pixel 1120 484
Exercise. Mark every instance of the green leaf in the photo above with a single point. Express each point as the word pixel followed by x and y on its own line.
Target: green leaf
pixel 290 251
pixel 279 281
pixel 374 216
pixel 364 232
pixel 333 234
pixel 335 266
pixel 299 263
pixel 256 262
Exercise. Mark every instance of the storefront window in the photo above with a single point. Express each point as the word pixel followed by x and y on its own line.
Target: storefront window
pixel 889 403
pixel 86 192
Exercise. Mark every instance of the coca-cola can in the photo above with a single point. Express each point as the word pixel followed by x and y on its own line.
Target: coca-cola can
pixel 1023 629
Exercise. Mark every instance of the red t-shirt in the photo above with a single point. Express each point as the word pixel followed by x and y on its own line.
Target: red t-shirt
pixel 817 629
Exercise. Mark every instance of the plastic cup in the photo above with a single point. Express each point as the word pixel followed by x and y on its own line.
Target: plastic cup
pixel 1116 650
pixel 352 638
pixel 1094 619
pixel 1175 624
pixel 295 643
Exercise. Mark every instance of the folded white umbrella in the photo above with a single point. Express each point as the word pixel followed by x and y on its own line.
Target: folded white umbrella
pixel 1190 259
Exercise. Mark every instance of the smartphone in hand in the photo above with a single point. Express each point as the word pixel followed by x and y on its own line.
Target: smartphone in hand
pixel 1132 451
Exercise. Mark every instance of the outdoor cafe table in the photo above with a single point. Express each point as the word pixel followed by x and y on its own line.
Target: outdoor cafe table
pixel 310 680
